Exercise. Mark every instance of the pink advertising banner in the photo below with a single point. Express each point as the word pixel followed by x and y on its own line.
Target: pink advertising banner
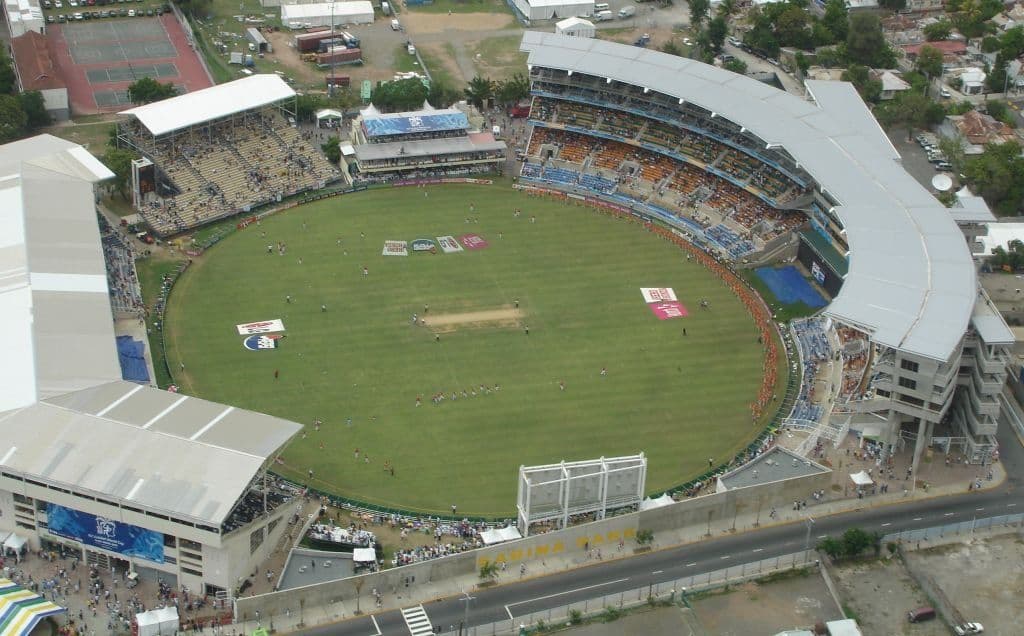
pixel 668 309
pixel 473 241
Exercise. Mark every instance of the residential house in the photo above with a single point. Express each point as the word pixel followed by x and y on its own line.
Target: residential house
pixel 974 130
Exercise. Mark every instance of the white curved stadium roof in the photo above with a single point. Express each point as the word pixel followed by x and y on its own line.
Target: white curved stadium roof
pixel 911 280
pixel 218 101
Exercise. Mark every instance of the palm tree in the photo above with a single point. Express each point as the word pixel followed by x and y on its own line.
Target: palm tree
pixel 726 9
pixel 480 90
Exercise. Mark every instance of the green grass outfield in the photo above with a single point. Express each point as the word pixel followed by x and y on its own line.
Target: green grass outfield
pixel 577 274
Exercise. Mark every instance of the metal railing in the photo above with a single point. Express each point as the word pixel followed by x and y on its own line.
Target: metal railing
pixel 957 529
pixel 670 591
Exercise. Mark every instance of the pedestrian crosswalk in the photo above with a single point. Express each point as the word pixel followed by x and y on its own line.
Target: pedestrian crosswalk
pixel 417 621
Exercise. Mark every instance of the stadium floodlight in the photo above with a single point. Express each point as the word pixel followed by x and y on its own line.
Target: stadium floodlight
pixel 771 146
pixel 713 114
pixel 646 90
pixel 681 101
pixel 608 80
pixel 570 73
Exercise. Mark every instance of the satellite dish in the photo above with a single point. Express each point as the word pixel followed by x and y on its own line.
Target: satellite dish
pixel 942 182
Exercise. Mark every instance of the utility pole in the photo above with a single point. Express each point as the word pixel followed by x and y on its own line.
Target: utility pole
pixel 807 541
pixel 466 598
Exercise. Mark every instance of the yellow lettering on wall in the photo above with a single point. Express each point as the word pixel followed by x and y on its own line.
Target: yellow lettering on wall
pixel 629 533
pixel 614 535
pixel 558 547
pixel 581 542
pixel 542 550
pixel 481 562
pixel 515 555
pixel 500 558
pixel 597 539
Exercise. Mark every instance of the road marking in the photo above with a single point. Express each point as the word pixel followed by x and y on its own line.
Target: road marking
pixel 917 518
pixel 979 509
pixel 725 557
pixel 822 536
pixel 949 514
pixel 375 625
pixel 417 621
pixel 657 571
pixel 579 589
pixel 690 565
pixel 510 617
pixel 1010 505
pixel 758 549
pixel 886 525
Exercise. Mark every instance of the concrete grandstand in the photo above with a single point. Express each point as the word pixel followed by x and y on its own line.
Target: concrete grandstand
pixel 221 151
pixel 923 350
pixel 121 475
pixel 424 143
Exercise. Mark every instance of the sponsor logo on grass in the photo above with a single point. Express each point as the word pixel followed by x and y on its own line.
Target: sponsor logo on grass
pixel 473 241
pixel 395 248
pixel 658 294
pixel 423 245
pixel 449 244
pixel 264 326
pixel 668 309
pixel 262 342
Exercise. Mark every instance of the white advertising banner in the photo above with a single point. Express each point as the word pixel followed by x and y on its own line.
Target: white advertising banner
pixel 264 326
pixel 658 294
pixel 449 244
pixel 395 248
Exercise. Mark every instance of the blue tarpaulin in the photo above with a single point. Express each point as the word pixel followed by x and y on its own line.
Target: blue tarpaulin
pixel 407 123
pixel 131 355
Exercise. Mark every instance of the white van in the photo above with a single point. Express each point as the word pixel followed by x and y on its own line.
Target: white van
pixel 601 6
pixel 627 12
pixel 604 16
pixel 395 25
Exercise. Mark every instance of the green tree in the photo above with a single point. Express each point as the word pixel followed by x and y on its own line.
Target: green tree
pixel 832 547
pixel 148 90
pixel 306 106
pixel 699 12
pixel 726 9
pixel 672 48
pixel 998 175
pixel 35 109
pixel 400 95
pixel 865 43
pixel 12 119
pixel 836 20
pixel 856 541
pixel 999 110
pixel 860 76
pixel 442 95
pixel 119 160
pixel 488 571
pixel 937 31
pixel 929 61
pixel 792 27
pixel 717 30
pixel 513 89
pixel 990 44
pixel 802 63
pixel 480 90
pixel 332 149
pixel 8 80
pixel 736 65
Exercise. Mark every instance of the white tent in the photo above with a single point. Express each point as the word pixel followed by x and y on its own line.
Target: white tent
pixel 16 543
pixel 158 622
pixel 650 502
pixel 297 16
pixel 364 555
pixel 500 535
pixel 554 9
pixel 576 27
pixel 328 117
pixel 861 479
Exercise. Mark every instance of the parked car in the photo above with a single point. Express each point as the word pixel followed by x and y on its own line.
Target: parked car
pixel 968 628
pixel 945 93
pixel 77 16
pixel 945 165
pixel 50 19
pixel 123 12
pixel 150 13
pixel 62 18
pixel 131 13
pixel 921 614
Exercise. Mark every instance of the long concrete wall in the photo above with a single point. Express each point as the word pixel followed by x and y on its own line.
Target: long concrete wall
pixel 569 542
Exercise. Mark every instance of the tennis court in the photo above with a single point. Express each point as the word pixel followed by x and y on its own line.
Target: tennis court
pixel 131 73
pixel 118 41
pixel 100 60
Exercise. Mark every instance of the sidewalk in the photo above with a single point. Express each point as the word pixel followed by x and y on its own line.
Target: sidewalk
pixel 954 480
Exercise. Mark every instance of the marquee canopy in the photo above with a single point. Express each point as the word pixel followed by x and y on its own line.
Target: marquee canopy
pixel 21 610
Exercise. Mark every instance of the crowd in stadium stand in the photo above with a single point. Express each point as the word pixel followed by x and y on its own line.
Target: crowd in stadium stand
pixel 855 349
pixel 569 158
pixel 812 336
pixel 251 507
pixel 433 159
pixel 122 279
pixel 225 166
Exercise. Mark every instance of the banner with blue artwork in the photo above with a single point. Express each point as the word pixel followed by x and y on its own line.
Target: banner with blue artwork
pixel 388 125
pixel 107 534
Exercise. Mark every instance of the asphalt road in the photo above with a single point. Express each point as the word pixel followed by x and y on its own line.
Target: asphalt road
pixel 534 595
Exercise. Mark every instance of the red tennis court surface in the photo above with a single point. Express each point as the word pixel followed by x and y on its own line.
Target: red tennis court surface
pixel 100 59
